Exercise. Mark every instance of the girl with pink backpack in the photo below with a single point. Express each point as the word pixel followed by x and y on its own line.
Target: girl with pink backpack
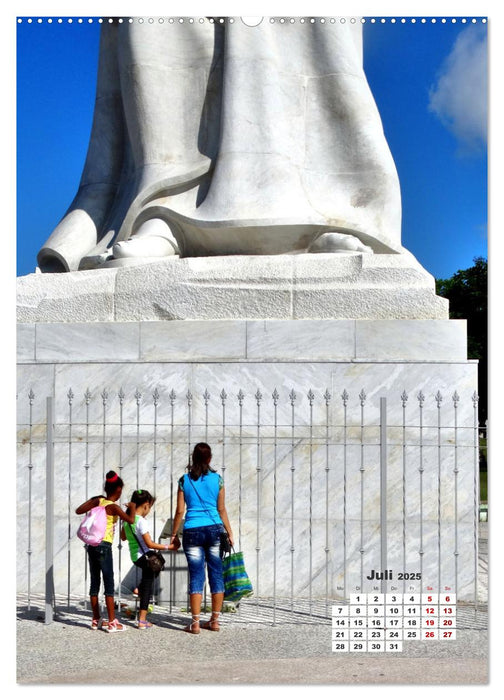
pixel 99 546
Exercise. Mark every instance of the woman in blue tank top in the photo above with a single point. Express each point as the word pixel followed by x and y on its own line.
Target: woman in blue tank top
pixel 201 492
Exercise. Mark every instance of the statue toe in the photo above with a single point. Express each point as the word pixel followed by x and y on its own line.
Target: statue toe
pixel 334 242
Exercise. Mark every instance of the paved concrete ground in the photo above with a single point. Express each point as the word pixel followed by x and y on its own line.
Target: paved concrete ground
pixel 68 652
pixel 245 651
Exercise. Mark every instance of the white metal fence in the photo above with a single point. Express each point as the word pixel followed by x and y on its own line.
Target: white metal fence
pixel 322 490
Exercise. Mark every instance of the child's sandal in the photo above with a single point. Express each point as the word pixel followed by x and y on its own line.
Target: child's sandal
pixel 115 626
pixel 195 621
pixel 96 624
pixel 144 624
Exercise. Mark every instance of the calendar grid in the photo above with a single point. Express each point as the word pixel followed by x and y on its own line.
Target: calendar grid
pixel 382 622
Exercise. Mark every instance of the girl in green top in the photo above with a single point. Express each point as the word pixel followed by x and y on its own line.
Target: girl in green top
pixel 140 542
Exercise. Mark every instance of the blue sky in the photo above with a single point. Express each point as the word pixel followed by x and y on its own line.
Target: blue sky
pixel 428 79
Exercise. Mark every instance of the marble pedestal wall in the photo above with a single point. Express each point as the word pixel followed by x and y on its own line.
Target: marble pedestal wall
pixel 302 469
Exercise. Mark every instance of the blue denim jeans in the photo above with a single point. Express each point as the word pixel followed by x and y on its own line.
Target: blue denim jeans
pixel 101 562
pixel 202 545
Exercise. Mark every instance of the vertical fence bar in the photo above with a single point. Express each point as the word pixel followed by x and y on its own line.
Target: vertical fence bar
pixel 87 398
pixel 421 399
pixel 70 396
pixel 138 396
pixel 223 397
pixel 258 397
pixel 362 398
pixel 104 396
pixel 120 396
pixel 189 398
pixel 206 398
pixel 49 524
pixel 155 398
pixel 275 397
pixel 172 397
pixel 292 397
pixel 439 400
pixel 311 397
pixel 173 555
pixel 455 399
pixel 31 397
pixel 383 488
pixel 344 397
pixel 475 400
pixel 404 400
pixel 241 396
pixel 327 397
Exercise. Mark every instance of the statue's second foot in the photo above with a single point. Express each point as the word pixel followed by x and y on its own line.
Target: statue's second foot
pixel 92 262
pixel 333 242
pixel 152 240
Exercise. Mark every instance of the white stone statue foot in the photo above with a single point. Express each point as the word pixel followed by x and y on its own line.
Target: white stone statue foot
pixel 92 262
pixel 152 240
pixel 333 242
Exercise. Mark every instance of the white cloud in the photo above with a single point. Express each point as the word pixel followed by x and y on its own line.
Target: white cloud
pixel 459 98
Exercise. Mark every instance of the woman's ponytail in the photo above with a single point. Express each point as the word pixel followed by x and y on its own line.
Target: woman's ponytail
pixel 139 498
pixel 200 463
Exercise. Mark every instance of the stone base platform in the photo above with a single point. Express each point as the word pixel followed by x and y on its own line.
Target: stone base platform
pixel 317 286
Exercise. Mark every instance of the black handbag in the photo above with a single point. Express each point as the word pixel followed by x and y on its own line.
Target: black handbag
pixel 155 560
pixel 225 544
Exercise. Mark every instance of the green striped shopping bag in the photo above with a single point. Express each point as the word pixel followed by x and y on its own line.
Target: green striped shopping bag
pixel 237 584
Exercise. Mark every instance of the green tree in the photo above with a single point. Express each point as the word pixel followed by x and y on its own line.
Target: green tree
pixel 467 292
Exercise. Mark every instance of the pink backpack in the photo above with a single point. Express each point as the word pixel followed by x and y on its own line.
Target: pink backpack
pixel 94 526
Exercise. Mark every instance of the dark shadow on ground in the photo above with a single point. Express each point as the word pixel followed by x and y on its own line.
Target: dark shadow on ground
pixel 76 615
